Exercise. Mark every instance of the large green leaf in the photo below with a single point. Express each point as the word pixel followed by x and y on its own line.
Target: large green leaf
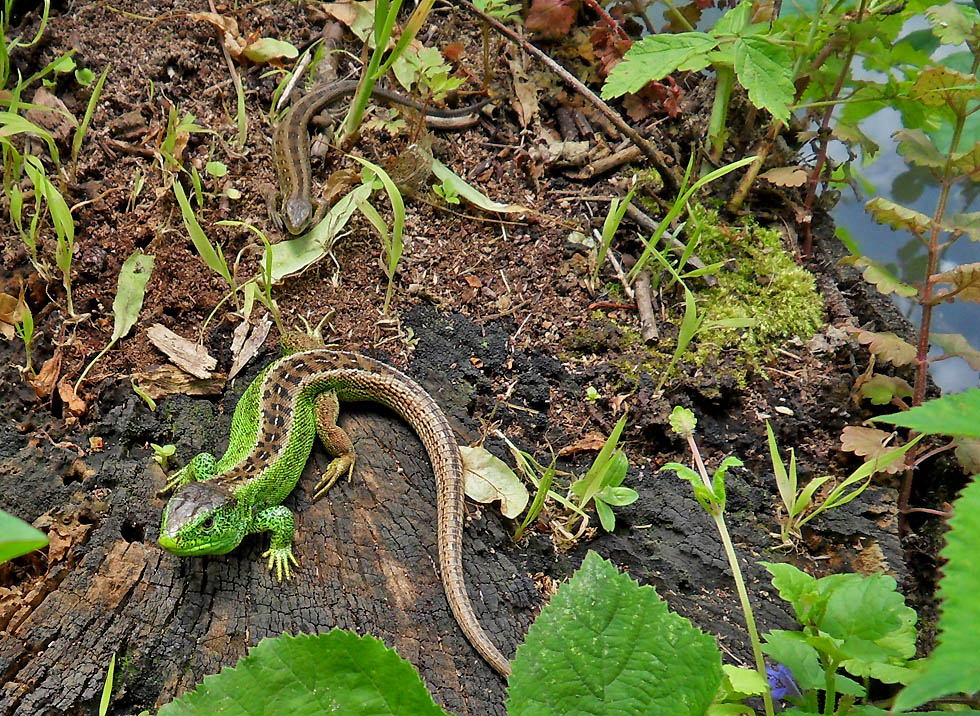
pixel 605 645
pixel 17 537
pixel 954 667
pixel 337 672
pixel 956 415
pixel 656 56
pixel 764 69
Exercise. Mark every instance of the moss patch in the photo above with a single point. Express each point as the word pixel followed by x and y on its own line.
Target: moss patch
pixel 760 281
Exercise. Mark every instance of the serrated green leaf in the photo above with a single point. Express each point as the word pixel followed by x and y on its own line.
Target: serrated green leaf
pixel 953 667
pixel 917 148
pixel 953 23
pixel 869 609
pixel 735 20
pixel 764 69
pixel 880 277
pixel 654 57
pixel 957 415
pixel 880 389
pixel 18 538
pixel 605 645
pixel 796 587
pixel 745 681
pixel 967 224
pixel 965 280
pixel 336 672
pixel 791 650
pixel 897 216
pixel 682 420
pixel 941 86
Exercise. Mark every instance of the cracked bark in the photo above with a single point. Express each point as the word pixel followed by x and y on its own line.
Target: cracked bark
pixel 369 563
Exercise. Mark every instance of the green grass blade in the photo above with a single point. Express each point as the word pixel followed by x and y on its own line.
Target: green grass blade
pixel 212 258
pixel 76 144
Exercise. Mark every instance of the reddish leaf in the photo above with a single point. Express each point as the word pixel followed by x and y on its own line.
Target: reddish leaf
pixel 608 47
pixel 551 18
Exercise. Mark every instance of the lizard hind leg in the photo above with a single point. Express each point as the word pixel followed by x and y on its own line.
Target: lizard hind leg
pixel 326 408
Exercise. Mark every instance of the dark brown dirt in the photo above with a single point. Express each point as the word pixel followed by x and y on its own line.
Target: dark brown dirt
pixel 488 316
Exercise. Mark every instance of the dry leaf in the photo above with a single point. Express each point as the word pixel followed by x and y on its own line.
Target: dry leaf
pixel 190 356
pixel 488 478
pixel 870 443
pixel 231 38
pixel 885 345
pixel 12 310
pixel 74 404
pixel 44 382
pixel 59 123
pixel 785 176
pixel 550 18
pixel 170 380
pixel 586 443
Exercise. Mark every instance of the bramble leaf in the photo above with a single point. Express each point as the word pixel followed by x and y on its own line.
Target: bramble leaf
pixel 956 415
pixel 917 148
pixel 880 389
pixel 953 666
pixel 965 280
pixel 764 69
pixel 897 216
pixel 885 345
pixel 869 443
pixel 967 224
pixel 603 643
pixel 956 344
pixel 656 56
pixel 940 86
pixel 880 277
pixel 968 163
pixel 336 672
pixel 785 176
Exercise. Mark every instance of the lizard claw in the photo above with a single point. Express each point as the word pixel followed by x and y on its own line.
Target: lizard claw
pixel 279 559
pixel 339 465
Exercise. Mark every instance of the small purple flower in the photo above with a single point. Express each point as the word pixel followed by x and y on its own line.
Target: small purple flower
pixel 782 683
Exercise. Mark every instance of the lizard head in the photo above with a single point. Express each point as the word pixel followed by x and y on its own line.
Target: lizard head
pixel 202 518
pixel 296 214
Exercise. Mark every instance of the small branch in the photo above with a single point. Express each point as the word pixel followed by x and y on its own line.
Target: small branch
pixel 650 226
pixel 655 157
pixel 644 304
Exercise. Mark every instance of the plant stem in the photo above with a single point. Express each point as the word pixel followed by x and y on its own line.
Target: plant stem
pixel 725 80
pixel 743 595
pixel 830 685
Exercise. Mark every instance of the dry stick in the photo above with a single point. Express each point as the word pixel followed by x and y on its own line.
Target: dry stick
pixel 644 304
pixel 613 25
pixel 650 226
pixel 655 157
pixel 239 91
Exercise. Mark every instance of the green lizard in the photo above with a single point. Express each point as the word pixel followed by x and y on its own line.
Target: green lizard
pixel 219 501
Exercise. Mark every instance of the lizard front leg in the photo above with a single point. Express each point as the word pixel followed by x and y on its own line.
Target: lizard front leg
pixel 334 439
pixel 200 468
pixel 279 521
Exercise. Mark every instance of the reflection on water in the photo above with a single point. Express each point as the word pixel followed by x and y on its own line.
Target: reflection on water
pixel 906 256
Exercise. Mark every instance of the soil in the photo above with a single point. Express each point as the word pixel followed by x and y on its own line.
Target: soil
pixel 493 318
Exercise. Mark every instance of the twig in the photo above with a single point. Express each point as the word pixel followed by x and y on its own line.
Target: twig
pixel 644 304
pixel 650 226
pixel 655 157
pixel 621 275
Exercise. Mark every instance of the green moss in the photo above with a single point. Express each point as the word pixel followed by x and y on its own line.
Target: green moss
pixel 760 281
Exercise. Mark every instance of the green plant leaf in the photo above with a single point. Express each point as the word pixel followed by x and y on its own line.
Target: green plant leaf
pixel 897 216
pixel 957 415
pixel 107 688
pixel 745 681
pixel 214 259
pixel 796 587
pixel 465 190
pixel 336 672
pixel 886 345
pixel 884 280
pixel 17 537
pixel 682 420
pixel 130 291
pixel 917 148
pixel 656 56
pixel 880 389
pixel 870 609
pixel 266 49
pixel 956 344
pixel 953 666
pixel 790 649
pixel 606 645
pixel 954 24
pixel 764 69
pixel 487 478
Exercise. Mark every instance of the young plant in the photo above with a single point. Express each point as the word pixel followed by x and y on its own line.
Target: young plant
pixel 130 292
pixel 602 484
pixel 799 505
pixel 25 330
pixel 385 13
pixel 391 242
pixel 61 219
pixel 76 143
pixel 212 255
pixel 710 493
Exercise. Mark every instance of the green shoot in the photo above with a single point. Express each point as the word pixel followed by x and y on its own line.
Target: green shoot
pixel 544 485
pixel 142 392
pixel 212 255
pixel 391 243
pixel 710 493
pixel 130 291
pixel 162 454
pixel 60 218
pixel 617 210
pixel 25 329
pixel 76 143
pixel 107 688
pixel 602 484
pixel 447 192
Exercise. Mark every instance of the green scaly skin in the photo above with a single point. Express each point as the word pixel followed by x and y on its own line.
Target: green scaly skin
pixel 295 400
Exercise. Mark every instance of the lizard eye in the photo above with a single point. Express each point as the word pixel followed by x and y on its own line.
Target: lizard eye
pixel 208 523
